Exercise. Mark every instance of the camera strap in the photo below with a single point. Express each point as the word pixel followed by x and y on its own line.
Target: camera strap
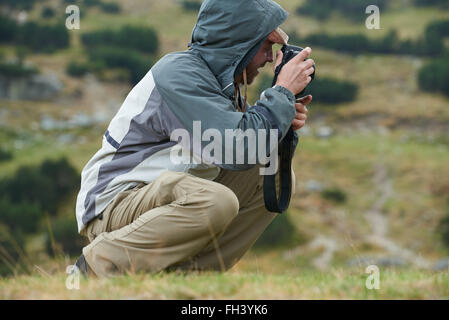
pixel 285 174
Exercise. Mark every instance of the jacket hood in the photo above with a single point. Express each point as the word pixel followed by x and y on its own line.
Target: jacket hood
pixel 229 33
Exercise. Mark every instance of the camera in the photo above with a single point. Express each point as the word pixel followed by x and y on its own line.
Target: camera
pixel 289 52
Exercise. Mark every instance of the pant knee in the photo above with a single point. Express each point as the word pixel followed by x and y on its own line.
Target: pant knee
pixel 225 206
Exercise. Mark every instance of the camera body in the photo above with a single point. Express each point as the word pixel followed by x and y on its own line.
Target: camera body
pixel 289 52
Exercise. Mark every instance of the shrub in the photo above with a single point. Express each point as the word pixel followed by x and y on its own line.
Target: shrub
pixel 43 37
pixel 110 7
pixel 136 64
pixel 428 3
pixel 352 9
pixel 280 232
pixel 431 43
pixel 66 237
pixel 142 39
pixel 91 3
pixel 45 186
pixel 76 69
pixel 434 77
pixel 336 195
pixel 8 29
pixel 16 70
pixel 48 12
pixel 332 91
pixel 20 4
pixel 9 255
pixel 5 155
pixel 191 5
pixel 23 216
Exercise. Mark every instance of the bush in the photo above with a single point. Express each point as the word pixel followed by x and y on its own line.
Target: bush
pixel 5 155
pixel 110 7
pixel 142 39
pixel 280 232
pixel 335 195
pixel 20 4
pixel 66 237
pixel 48 12
pixel 33 35
pixel 353 9
pixel 91 3
pixel 16 70
pixel 76 69
pixel 429 3
pixel 434 77
pixel 136 64
pixel 191 5
pixel 8 29
pixel 23 216
pixel 43 37
pixel 332 91
pixel 9 255
pixel 45 186
pixel 431 43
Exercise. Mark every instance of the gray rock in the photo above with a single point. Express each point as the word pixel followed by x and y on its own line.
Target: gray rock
pixel 378 261
pixel 324 132
pixel 35 88
pixel 314 186
pixel 66 138
pixel 441 265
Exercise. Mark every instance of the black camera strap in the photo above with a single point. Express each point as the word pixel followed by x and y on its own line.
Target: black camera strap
pixel 285 174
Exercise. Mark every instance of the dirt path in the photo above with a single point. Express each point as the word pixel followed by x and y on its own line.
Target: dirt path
pixel 379 222
pixel 378 236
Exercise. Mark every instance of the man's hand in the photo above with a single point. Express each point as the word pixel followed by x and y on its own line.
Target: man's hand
pixel 301 112
pixel 295 75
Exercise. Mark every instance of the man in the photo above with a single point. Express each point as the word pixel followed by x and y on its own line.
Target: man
pixel 144 212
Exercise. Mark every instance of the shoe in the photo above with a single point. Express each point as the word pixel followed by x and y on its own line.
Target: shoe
pixel 82 265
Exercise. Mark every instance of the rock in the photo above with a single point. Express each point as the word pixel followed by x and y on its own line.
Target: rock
pixel 66 139
pixel 35 88
pixel 314 186
pixel 378 261
pixel 81 120
pixel 324 132
pixel 304 131
pixel 441 265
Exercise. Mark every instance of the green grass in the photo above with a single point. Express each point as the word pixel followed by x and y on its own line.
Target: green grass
pixel 335 284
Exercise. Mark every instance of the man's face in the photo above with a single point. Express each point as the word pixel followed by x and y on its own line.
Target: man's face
pixel 264 55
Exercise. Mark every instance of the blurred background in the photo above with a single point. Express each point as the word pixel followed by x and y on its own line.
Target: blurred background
pixel 372 166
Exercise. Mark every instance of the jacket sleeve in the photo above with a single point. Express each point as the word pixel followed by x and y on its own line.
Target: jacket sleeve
pixel 196 99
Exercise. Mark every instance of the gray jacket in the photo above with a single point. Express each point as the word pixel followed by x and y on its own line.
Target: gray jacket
pixel 182 87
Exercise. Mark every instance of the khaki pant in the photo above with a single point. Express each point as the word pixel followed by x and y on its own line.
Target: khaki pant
pixel 179 221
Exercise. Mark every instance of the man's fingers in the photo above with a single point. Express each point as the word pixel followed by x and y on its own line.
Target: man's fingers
pixel 305 65
pixel 305 100
pixel 303 54
pixel 301 108
pixel 301 116
pixel 298 124
pixel 279 55
pixel 310 71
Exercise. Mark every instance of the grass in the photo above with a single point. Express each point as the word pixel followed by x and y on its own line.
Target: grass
pixel 336 283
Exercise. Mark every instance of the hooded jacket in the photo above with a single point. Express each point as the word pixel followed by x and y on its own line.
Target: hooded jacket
pixel 183 87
